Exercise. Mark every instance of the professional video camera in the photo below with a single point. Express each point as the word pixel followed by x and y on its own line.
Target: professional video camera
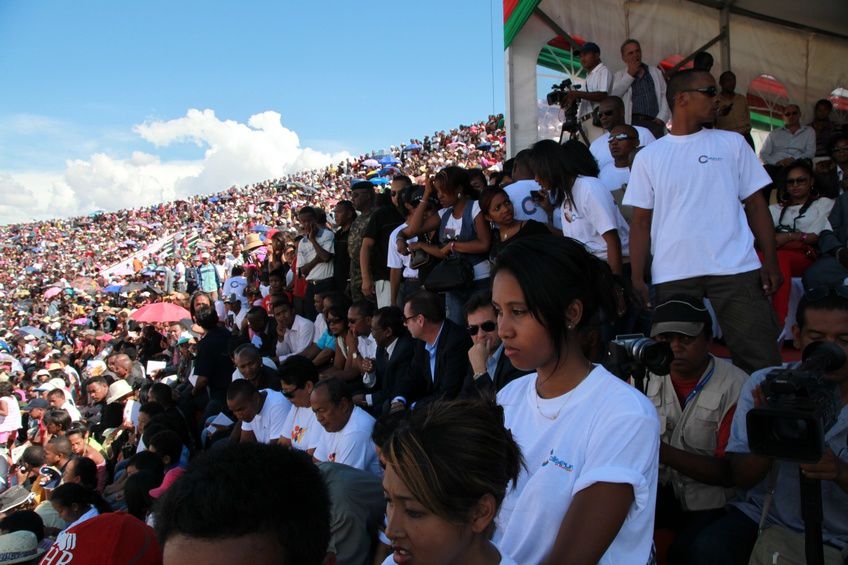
pixel 556 97
pixel 629 355
pixel 800 407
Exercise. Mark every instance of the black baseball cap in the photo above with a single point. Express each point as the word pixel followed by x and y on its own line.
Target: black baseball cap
pixel 590 47
pixel 685 315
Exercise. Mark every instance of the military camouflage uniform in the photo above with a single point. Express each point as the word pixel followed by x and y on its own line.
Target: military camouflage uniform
pixel 354 244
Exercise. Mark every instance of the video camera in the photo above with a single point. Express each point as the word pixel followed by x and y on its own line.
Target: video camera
pixel 800 406
pixel 630 355
pixel 557 97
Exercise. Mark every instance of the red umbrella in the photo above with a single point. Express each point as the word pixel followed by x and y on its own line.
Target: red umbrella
pixel 160 312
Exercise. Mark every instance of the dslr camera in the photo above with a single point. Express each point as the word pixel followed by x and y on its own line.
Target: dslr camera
pixel 799 407
pixel 630 355
pixel 557 96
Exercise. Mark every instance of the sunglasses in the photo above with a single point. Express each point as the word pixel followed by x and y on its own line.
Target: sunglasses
pixel 335 320
pixel 710 91
pixel 487 326
pixel 797 180
pixel 619 137
pixel 822 292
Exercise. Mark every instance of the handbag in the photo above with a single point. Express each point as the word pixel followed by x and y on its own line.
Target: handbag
pixel 419 257
pixel 452 273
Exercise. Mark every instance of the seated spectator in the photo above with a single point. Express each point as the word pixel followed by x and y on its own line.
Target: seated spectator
pixel 212 515
pixel 262 328
pixel 490 370
pixel 823 126
pixel 103 415
pixel 23 521
pixel 391 363
pixel 440 359
pixel 20 546
pixel 442 499
pixel 250 365
pixel 695 404
pixel 822 317
pixel 57 422
pixel 114 537
pixel 339 328
pixel 798 220
pixel 294 332
pixel 789 143
pixel 57 453
pixel 611 111
pixel 568 173
pixel 497 207
pixel 80 447
pixel 137 493
pixel 347 428
pixel 521 190
pixel 83 471
pixel 57 399
pixel 36 430
pixel 235 312
pixel 75 503
pixel 260 414
pixel 589 497
pixel 832 175
pixel 733 112
pixel 26 471
pixel 300 430
pixel 361 344
pixel 167 445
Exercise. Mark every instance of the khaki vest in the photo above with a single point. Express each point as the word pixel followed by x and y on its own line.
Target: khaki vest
pixel 695 429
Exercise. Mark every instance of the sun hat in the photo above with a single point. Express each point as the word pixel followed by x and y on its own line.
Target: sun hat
pixel 117 390
pixel 252 241
pixel 19 547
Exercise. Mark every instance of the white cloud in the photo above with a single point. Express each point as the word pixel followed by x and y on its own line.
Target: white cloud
pixel 235 154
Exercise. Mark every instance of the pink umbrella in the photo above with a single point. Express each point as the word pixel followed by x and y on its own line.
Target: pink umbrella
pixel 160 312
pixel 52 291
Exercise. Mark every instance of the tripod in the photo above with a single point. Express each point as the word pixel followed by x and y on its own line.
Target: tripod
pixel 811 512
pixel 573 133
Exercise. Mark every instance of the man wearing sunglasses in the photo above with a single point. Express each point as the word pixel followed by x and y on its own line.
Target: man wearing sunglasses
pixel 623 142
pixel 792 141
pixel 611 111
pixel 697 210
pixel 490 369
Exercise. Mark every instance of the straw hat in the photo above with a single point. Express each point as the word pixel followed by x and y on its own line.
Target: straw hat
pixel 19 547
pixel 252 241
pixel 117 390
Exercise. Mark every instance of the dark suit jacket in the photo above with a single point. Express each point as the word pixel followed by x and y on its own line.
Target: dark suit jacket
pixel 830 241
pixel 488 384
pixel 452 348
pixel 390 374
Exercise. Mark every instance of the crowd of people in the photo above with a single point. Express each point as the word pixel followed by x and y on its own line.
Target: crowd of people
pixel 403 358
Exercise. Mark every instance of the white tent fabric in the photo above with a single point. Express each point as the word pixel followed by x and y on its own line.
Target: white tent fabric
pixel 810 64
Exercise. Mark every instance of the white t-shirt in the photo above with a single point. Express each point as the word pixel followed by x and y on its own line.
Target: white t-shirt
pixel 319 327
pixel 695 184
pixel 602 431
pixel 302 429
pixel 395 260
pixel 523 206
pixel 600 147
pixel 267 426
pixel 236 285
pixel 815 218
pixel 454 228
pixel 593 214
pixel 352 444
pixel 614 177
pixel 599 79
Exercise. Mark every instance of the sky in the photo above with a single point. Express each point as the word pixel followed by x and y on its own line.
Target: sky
pixel 108 105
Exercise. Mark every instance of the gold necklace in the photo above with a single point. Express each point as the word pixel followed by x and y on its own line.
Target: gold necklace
pixel 539 407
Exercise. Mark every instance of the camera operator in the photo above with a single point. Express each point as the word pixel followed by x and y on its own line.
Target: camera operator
pixel 695 404
pixel 598 84
pixel 822 316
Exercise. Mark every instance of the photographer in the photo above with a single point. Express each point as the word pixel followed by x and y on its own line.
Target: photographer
pixel 822 316
pixel 695 404
pixel 598 85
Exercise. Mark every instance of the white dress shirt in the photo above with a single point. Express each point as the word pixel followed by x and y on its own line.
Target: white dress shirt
pixel 297 338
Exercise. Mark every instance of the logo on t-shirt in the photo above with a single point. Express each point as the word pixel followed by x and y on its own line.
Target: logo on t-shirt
pixel 706 159
pixel 557 462
pixel 298 433
pixel 331 458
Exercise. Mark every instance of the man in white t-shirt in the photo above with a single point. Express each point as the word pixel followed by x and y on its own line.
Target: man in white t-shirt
pixel 260 413
pixel 688 191
pixel 521 191
pixel 235 284
pixel 623 141
pixel 611 111
pixel 347 428
pixel 598 85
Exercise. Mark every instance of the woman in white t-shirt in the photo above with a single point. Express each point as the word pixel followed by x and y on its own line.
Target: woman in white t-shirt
pixel 301 429
pixel 590 441
pixel 447 471
pixel 463 231
pixel 589 214
pixel 798 219
pixel 10 414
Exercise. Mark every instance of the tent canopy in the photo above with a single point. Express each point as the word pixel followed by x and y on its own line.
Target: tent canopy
pixel 804 49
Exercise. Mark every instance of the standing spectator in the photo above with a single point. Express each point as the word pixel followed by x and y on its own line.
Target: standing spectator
pixel 521 190
pixel 623 142
pixel 598 85
pixel 207 277
pixel 314 258
pixel 375 246
pixel 364 200
pixel 213 368
pixel 589 497
pixel 788 143
pixel 733 112
pixel 345 214
pixel 642 89
pixel 611 110
pixel 10 415
pixel 822 125
pixel 833 174
pixel 678 187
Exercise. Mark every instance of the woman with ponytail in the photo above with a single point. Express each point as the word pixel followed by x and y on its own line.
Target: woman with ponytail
pixel 590 440
pixel 76 503
pixel 447 471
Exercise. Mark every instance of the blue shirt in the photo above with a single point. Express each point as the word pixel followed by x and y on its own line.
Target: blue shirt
pixel 431 352
pixel 492 361
pixel 326 341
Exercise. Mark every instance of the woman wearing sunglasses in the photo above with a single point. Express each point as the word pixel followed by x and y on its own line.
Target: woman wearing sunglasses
pixel 301 429
pixel 798 219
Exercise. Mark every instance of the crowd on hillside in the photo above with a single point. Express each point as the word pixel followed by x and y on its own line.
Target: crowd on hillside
pixel 404 358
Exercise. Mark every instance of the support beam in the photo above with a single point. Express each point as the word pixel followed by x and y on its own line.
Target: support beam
pixel 724 29
pixel 691 56
pixel 555 26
